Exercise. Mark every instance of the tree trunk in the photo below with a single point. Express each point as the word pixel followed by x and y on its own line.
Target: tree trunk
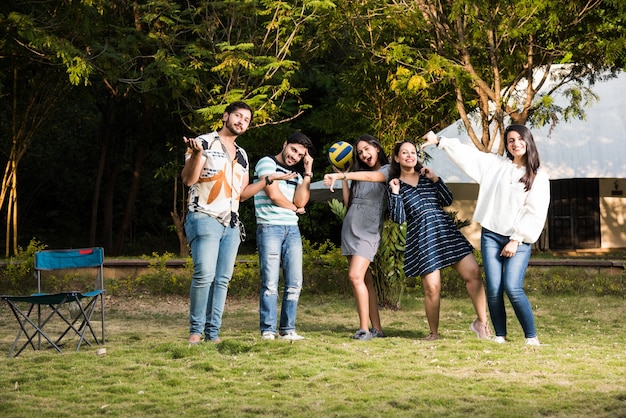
pixel 140 156
pixel 108 117
pixel 183 249
pixel 107 206
pixel 179 220
pixel 132 198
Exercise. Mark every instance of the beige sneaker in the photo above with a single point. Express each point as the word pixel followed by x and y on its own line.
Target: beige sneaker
pixel 482 330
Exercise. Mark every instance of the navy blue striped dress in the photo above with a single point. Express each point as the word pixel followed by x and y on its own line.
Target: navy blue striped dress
pixel 432 239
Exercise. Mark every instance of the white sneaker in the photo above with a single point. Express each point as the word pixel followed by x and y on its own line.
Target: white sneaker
pixel 268 335
pixel 291 336
pixel 533 341
pixel 498 339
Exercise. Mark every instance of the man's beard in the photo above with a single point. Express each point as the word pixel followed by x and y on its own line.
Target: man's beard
pixel 286 161
pixel 233 129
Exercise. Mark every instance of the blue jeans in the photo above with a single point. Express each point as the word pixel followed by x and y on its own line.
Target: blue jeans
pixel 214 251
pixel 506 275
pixel 278 243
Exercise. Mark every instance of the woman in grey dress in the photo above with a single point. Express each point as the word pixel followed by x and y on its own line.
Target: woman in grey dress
pixel 366 199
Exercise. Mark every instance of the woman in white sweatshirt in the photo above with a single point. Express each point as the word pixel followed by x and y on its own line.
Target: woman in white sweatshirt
pixel 512 205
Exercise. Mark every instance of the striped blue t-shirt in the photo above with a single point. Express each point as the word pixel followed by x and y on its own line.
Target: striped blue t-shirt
pixel 265 210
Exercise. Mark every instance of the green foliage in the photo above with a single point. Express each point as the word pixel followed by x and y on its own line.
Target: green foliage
pixel 325 273
pixel 161 280
pixel 250 56
pixel 501 50
pixel 325 269
pixel 338 208
pixel 388 265
pixel 246 280
pixel 59 45
pixel 121 286
pixel 18 274
pixel 333 69
pixel 566 281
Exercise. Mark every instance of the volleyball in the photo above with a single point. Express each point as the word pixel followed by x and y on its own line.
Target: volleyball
pixel 340 155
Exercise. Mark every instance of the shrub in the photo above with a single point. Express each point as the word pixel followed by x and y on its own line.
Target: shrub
pixel 18 274
pixel 388 266
pixel 160 280
pixel 246 280
pixel 574 281
pixel 324 269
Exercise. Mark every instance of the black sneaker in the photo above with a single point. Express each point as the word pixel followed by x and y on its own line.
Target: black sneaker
pixel 376 334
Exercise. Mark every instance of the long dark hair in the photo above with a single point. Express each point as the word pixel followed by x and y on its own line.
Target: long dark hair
pixel 531 159
pixel 357 164
pixel 394 168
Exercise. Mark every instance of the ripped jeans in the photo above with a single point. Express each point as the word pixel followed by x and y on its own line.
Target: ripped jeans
pixel 276 244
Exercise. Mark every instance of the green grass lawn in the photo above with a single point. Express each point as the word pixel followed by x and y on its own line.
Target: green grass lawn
pixel 149 369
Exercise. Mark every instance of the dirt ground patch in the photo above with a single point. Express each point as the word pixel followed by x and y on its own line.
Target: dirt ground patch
pixel 149 304
pixel 165 304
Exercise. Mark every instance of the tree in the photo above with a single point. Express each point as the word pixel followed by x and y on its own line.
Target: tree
pixel 367 77
pixel 240 51
pixel 498 55
pixel 36 63
pixel 147 66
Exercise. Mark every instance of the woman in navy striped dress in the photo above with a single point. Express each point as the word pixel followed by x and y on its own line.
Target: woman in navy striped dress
pixel 433 241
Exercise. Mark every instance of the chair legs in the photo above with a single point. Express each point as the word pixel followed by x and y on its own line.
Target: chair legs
pixel 86 314
pixel 23 318
pixel 80 325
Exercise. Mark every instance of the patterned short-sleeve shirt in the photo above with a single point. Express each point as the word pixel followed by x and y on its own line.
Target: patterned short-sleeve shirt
pixel 217 192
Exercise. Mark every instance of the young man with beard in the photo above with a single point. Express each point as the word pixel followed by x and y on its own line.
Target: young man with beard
pixel 277 208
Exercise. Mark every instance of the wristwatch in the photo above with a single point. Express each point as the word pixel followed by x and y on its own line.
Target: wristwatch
pixel 268 181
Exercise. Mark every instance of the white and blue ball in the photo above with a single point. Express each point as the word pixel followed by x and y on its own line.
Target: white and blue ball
pixel 340 155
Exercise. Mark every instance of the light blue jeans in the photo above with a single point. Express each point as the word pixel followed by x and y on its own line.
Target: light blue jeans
pixel 276 244
pixel 214 251
pixel 506 275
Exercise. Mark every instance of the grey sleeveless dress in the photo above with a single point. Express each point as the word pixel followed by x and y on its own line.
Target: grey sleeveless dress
pixel 363 224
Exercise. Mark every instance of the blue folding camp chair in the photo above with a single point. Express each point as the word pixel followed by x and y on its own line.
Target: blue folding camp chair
pixel 48 306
